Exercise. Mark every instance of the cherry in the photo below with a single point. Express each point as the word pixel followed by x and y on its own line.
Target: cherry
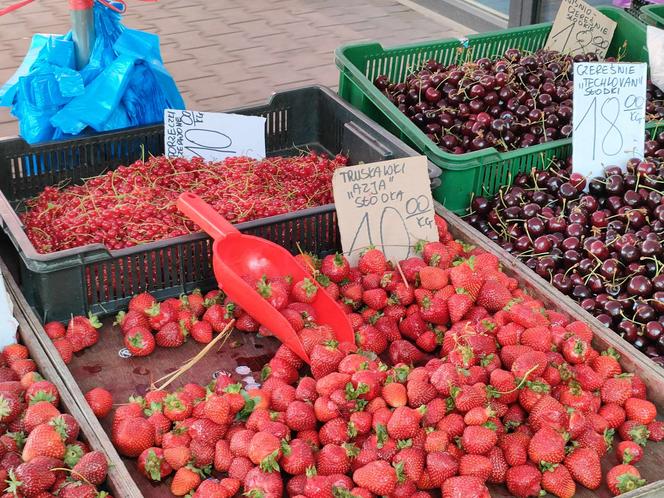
pixel 639 285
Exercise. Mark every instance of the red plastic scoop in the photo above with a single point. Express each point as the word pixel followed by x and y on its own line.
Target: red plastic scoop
pixel 236 255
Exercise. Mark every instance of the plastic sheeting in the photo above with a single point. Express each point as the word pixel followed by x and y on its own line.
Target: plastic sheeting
pixel 124 84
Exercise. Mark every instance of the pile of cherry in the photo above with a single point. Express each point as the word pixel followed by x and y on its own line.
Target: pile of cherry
pixel 135 204
pixel 40 454
pixel 457 380
pixel 510 102
pixel 602 248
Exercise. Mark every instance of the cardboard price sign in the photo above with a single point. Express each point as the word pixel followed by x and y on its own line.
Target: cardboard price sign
pixel 386 204
pixel 609 115
pixel 213 136
pixel 580 29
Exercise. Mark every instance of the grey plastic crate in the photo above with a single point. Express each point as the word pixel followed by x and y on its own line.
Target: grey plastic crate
pixel 93 278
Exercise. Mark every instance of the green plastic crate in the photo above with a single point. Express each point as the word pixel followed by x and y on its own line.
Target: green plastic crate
pixel 479 172
pixel 653 15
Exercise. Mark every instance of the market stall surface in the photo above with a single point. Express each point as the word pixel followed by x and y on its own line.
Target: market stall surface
pixel 232 53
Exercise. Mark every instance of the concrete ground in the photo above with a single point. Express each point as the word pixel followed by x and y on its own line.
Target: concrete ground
pixel 227 53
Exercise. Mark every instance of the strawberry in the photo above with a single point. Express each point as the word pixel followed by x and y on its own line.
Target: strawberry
pixel 39 413
pixel 640 410
pixel 616 390
pixel 376 299
pixel 584 466
pixel 335 267
pixel 633 431
pixel 433 278
pixel 171 335
pixel 304 291
pixel 218 316
pixel 139 342
pixel 212 488
pixel 546 445
pixel 325 359
pixel 576 350
pixel 297 456
pixel 369 338
pixel 656 430
pixel 100 401
pixel 403 423
pixel 435 310
pixel 402 351
pixel 629 452
pixel 54 330
pixel 523 481
pixel 524 315
pixel 44 440
pixel 394 394
pixel 29 479
pixel 260 483
pixel 10 407
pixel 557 480
pixel 458 305
pixel 131 319
pixel 379 477
pixel 493 296
pixel 178 456
pixel 475 465
pixel 623 478
pixel 479 439
pixel 65 349
pixel 82 331
pixel 273 291
pixel 530 364
pixel 465 487
pixel 606 365
pixel 91 468
pixel 186 480
pixel 265 450
pixel 133 436
pixel 372 261
pixel 464 277
pixel 14 352
pixel 201 331
pixel 177 406
pixel 420 392
pixel 141 303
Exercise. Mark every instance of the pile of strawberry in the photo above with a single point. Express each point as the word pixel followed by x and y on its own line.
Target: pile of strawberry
pixel 40 454
pixel 457 379
pixel 135 204
pixel 80 333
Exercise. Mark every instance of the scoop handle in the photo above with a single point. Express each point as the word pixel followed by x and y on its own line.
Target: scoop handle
pixel 201 213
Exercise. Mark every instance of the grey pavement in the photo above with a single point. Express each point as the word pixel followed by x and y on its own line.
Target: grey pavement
pixel 227 53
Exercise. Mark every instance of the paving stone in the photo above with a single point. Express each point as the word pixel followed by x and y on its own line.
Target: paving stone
pixel 229 53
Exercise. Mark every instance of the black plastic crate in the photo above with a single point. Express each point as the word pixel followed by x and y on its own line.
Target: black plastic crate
pixel 93 278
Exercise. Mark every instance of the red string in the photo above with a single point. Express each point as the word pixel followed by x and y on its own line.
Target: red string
pixel 14 7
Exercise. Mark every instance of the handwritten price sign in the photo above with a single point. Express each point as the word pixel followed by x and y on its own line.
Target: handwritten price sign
pixel 580 29
pixel 609 114
pixel 213 136
pixel 386 204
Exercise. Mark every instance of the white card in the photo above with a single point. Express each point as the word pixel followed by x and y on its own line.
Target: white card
pixel 387 204
pixel 656 55
pixel 213 136
pixel 609 115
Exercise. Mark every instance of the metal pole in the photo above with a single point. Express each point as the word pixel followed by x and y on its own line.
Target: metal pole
pixel 83 29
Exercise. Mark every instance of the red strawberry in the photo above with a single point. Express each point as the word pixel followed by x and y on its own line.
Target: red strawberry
pixel 260 483
pixel 475 465
pixel 65 349
pixel 177 456
pixel 465 487
pixel 369 338
pixel 525 315
pixel 493 296
pixel 186 480
pixel 656 430
pixel 433 278
pixel 171 335
pixel 39 413
pixel 640 410
pixel 458 305
pixel 201 331
pixel 274 292
pixel 616 390
pixel 465 277
pixel 376 299
pixel 623 478
pixel 379 477
pixel 91 468
pixel 435 310
pixel 219 316
pixel 133 436
pixel 557 480
pixel 607 365
pixel 633 431
pixel 629 452
pixel 139 342
pixel 100 401
pixel 265 450
pixel 523 481
pixel 479 439
pixel 177 406
pixel 304 291
pixel 54 330
pixel 82 331
pixel 403 351
pixel 10 407
pixel 584 465
pixel 142 303
pixel 372 261
pixel 28 479
pixel 335 267
pixel 131 319
pixel 547 445
pixel 44 440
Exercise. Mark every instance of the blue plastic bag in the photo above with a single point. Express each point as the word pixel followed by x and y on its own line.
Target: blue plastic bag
pixel 124 84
